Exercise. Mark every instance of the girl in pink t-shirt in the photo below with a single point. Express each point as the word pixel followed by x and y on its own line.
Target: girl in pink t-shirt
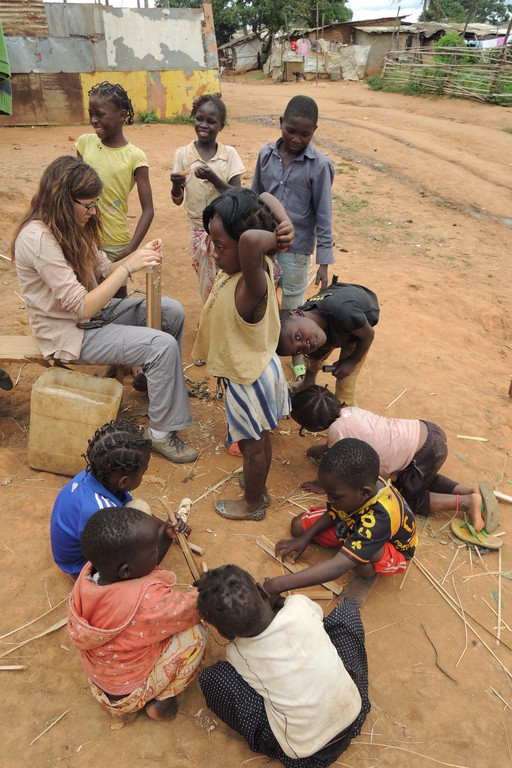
pixel 411 453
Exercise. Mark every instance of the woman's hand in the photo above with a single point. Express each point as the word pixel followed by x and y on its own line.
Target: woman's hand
pixel 150 255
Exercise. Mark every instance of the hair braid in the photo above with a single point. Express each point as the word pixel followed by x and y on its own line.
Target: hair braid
pixel 117 95
pixel 117 446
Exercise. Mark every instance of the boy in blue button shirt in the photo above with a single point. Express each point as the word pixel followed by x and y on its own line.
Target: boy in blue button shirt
pixel 301 178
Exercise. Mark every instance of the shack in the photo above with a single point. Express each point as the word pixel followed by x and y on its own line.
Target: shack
pixel 164 58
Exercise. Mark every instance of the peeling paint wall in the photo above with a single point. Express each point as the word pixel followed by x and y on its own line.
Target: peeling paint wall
pixel 163 59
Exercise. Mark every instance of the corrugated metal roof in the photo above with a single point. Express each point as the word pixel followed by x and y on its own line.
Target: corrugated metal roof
pixel 23 17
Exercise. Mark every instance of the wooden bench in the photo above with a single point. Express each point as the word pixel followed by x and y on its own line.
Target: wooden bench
pixel 24 348
pixel 21 348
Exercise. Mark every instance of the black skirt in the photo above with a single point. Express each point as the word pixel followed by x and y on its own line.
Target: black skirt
pixel 242 708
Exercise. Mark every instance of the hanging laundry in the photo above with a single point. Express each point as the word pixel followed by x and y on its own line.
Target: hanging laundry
pixel 294 46
pixel 304 49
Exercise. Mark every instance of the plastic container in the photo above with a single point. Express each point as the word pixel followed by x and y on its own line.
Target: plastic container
pixel 66 408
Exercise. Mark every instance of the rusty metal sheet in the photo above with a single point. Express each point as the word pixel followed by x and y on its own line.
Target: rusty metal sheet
pixel 45 99
pixel 23 17
pixel 71 20
pixel 50 54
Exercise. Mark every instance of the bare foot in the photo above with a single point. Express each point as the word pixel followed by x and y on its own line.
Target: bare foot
pixel 313 486
pixel 240 509
pixel 472 504
pixel 359 589
pixel 167 709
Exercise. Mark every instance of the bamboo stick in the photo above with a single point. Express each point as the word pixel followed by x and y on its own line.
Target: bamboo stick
pixel 212 488
pixel 182 541
pixel 269 547
pixel 53 628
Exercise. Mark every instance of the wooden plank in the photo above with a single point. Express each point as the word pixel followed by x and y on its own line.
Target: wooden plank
pixel 18 347
pixel 153 298
pixel 269 547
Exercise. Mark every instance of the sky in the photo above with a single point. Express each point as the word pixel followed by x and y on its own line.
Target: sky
pixel 361 9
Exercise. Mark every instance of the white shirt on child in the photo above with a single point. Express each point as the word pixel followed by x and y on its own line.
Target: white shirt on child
pixel 309 695
pixel 395 440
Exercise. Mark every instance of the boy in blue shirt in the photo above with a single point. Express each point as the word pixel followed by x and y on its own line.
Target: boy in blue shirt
pixel 300 177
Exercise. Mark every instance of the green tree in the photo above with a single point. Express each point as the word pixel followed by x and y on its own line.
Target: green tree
pixel 485 11
pixel 231 15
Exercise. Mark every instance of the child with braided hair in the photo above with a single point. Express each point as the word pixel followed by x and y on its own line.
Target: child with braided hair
pixel 117 458
pixel 140 640
pixel 295 685
pixel 119 165
pixel 411 453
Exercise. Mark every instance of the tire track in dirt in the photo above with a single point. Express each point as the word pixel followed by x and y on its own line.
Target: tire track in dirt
pixel 390 170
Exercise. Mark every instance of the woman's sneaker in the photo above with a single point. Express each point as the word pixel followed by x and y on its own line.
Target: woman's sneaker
pixel 172 447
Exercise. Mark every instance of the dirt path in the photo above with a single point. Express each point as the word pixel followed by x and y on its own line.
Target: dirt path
pixel 422 201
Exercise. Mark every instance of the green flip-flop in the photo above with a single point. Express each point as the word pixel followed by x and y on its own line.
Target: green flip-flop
pixel 490 510
pixel 465 532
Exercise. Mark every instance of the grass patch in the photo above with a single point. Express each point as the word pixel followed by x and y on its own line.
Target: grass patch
pixel 149 118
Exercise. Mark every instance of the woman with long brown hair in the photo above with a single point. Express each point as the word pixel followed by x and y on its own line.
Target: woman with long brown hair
pixel 68 286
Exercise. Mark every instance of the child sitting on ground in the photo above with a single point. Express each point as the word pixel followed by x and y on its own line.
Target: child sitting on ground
pixel 140 642
pixel 239 330
pixel 341 317
pixel 117 458
pixel 411 453
pixel 366 519
pixel 295 685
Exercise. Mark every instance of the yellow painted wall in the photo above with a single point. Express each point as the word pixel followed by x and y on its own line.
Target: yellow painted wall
pixel 167 93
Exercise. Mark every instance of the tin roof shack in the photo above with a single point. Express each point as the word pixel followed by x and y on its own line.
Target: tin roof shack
pixel 240 54
pixel 58 51
pixel 335 51
pixel 380 40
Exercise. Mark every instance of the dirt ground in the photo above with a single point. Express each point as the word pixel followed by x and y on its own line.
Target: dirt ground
pixel 422 207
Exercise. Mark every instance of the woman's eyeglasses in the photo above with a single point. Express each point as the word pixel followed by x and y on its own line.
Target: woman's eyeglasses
pixel 88 206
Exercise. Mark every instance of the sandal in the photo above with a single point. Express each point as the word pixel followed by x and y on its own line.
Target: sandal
pixel 490 510
pixel 257 514
pixel 233 450
pixel 266 500
pixel 466 532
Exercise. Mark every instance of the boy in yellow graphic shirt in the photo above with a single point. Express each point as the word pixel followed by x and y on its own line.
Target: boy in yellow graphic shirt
pixel 366 519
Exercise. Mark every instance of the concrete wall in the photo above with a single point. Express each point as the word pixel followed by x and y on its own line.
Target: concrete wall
pixel 163 59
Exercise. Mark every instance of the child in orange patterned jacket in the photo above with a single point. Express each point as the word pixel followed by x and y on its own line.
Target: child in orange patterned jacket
pixel 140 641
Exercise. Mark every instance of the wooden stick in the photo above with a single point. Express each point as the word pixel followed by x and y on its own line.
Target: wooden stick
pixel 212 488
pixel 500 697
pixel 451 602
pixel 269 547
pixel 53 628
pixel 204 566
pixel 54 722
pixel 450 566
pixel 498 633
pixel 396 399
pixel 472 437
pixel 503 496
pixel 503 622
pixel 196 549
pixel 465 624
pixel 153 298
pixel 438 663
pixel 41 616
pixel 12 667
pixel 182 541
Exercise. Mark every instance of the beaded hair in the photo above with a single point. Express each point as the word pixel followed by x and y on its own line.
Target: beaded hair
pixel 117 95
pixel 315 408
pixel 229 600
pixel 118 445
pixel 111 535
pixel 239 209
pixel 302 106
pixel 210 98
pixel 351 461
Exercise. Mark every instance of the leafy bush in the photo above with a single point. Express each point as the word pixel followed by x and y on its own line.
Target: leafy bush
pixel 374 82
pixel 147 116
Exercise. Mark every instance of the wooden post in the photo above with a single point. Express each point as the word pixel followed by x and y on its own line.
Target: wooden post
pixel 154 298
